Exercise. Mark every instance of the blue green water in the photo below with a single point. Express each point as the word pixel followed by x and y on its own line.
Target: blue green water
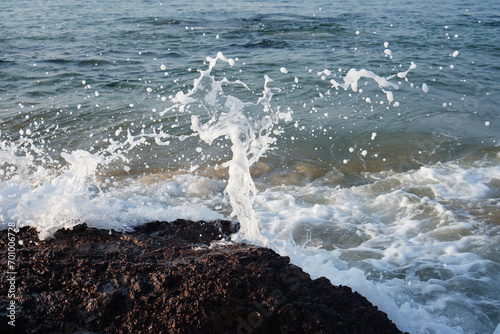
pixel 395 192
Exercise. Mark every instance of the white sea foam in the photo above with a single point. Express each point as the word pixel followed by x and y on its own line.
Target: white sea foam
pixel 32 195
pixel 399 241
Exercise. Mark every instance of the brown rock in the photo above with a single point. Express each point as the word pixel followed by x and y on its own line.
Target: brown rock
pixel 165 278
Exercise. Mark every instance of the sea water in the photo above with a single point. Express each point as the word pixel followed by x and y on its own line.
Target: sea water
pixel 358 138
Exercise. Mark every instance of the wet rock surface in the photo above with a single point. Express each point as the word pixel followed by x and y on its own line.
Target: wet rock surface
pixel 172 278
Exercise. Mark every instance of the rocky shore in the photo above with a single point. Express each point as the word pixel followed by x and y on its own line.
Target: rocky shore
pixel 171 278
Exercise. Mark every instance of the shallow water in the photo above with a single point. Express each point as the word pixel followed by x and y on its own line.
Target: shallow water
pixel 116 115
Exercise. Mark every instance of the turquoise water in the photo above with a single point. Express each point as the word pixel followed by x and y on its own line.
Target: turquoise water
pixel 392 189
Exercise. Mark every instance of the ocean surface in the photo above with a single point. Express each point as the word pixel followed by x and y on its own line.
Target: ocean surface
pixel 359 138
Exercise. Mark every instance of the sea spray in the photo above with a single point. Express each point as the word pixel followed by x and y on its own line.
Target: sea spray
pixel 94 187
pixel 47 192
pixel 51 192
pixel 59 193
pixel 248 126
pixel 62 199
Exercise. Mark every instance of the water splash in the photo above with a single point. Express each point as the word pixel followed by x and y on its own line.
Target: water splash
pixel 51 193
pixel 249 128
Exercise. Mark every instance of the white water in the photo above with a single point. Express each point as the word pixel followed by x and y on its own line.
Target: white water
pixel 399 241
pixel 422 245
pixel 250 139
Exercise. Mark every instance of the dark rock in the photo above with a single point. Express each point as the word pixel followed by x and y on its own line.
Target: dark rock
pixel 166 278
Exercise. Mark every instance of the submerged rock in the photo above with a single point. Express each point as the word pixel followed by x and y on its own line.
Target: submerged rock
pixel 172 278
